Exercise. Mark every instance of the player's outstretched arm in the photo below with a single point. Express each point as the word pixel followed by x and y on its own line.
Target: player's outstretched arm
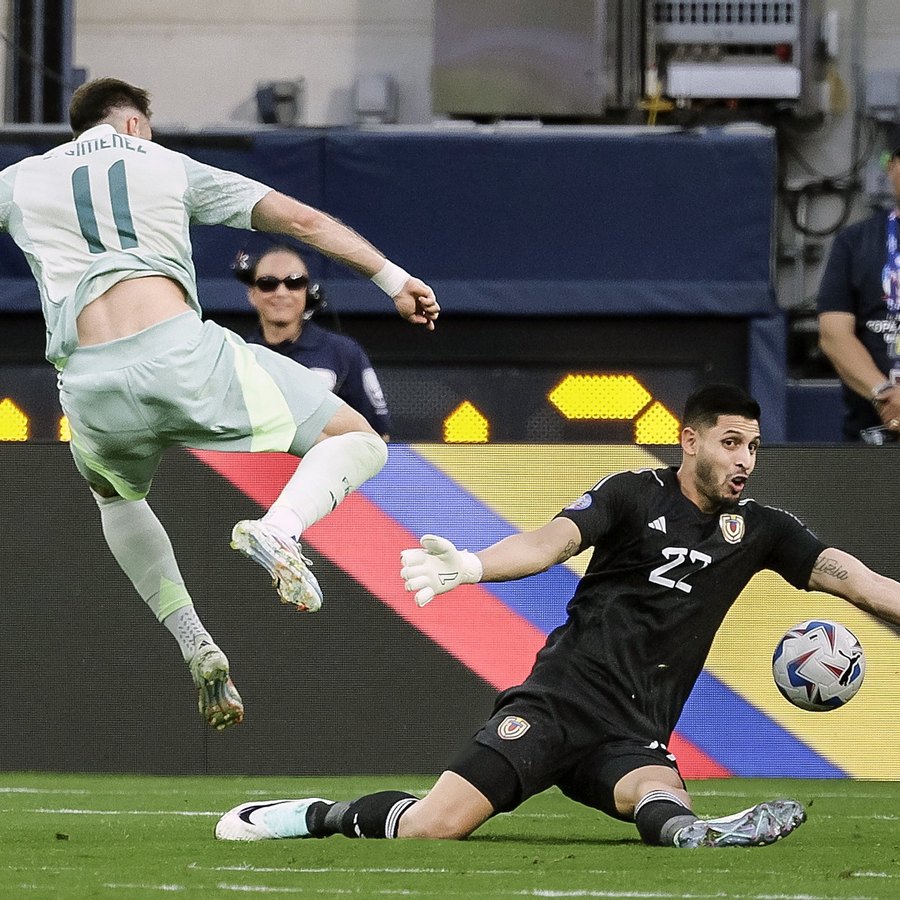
pixel 278 213
pixel 439 566
pixel 842 574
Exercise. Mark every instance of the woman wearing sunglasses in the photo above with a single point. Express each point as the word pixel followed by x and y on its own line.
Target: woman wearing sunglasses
pixel 279 289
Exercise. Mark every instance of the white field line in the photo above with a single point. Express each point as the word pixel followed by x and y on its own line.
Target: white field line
pixel 518 814
pixel 182 792
pixel 158 792
pixel 27 790
pixel 257 792
pixel 800 785
pixel 418 792
pixel 875 817
pixel 73 811
pixel 170 888
pixel 206 813
pixel 609 895
pixel 655 895
pixel 546 892
pixel 265 889
pixel 17 868
pixel 352 870
pixel 394 870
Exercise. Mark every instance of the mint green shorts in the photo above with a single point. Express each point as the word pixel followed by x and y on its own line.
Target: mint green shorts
pixel 184 383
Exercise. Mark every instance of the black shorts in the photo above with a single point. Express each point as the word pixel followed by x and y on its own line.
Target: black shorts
pixel 522 750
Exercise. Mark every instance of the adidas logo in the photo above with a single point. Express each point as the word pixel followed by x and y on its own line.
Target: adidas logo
pixel 658 524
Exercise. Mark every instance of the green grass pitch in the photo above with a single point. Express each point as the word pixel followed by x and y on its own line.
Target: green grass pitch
pixel 80 836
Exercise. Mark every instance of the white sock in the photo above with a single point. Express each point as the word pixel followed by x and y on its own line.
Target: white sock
pixel 187 629
pixel 326 475
pixel 144 552
pixel 285 519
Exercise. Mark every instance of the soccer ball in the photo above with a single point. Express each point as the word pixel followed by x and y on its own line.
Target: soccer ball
pixel 819 665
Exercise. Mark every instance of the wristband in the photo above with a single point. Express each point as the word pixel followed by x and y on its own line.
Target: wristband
pixel 390 278
pixel 878 391
pixel 472 567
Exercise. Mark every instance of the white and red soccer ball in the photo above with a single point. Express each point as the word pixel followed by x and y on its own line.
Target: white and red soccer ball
pixel 819 665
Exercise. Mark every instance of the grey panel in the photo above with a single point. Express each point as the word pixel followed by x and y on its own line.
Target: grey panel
pixel 512 58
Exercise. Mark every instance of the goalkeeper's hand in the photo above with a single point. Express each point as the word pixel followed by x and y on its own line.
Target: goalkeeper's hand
pixel 437 568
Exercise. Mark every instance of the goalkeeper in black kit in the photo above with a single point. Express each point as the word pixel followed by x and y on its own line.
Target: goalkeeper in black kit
pixel 672 550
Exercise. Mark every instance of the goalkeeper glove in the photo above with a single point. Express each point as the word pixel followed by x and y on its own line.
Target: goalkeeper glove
pixel 437 568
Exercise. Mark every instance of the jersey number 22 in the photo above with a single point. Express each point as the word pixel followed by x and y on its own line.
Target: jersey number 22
pixel 676 556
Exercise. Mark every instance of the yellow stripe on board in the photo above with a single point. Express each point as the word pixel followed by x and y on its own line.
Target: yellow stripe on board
pixel 858 737
pixel 528 484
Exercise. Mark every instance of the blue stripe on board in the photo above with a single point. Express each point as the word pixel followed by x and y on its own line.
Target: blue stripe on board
pixel 745 740
pixel 740 737
pixel 426 501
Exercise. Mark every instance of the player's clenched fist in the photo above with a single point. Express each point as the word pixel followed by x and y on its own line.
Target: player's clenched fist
pixel 437 568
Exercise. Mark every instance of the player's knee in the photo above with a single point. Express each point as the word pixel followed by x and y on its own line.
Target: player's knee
pixel 435 831
pixel 640 782
pixel 368 453
pixel 429 822
pixel 378 450
pixel 345 420
pixel 362 451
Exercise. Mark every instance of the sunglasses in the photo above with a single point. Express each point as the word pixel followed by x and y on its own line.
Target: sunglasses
pixel 269 283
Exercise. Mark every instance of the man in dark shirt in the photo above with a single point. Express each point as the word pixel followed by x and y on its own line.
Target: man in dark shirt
pixel 279 289
pixel 857 326
pixel 672 550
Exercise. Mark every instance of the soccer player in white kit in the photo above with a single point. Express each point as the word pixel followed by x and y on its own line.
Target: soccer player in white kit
pixel 103 222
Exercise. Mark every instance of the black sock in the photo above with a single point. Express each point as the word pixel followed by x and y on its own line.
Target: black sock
pixel 323 819
pixel 659 815
pixel 372 816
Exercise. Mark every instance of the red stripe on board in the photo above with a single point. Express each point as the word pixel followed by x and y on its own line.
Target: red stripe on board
pixel 465 626
pixel 693 762
pixel 364 542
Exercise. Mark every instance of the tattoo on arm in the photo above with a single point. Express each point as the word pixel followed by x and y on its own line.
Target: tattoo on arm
pixel 828 566
pixel 568 551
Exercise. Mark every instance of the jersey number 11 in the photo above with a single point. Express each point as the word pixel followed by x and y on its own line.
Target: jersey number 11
pixel 118 197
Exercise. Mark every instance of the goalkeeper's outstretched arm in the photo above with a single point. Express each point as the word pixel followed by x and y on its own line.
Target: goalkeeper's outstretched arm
pixel 530 552
pixel 439 566
pixel 843 575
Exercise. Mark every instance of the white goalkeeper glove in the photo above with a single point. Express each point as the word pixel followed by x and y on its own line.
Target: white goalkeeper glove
pixel 437 568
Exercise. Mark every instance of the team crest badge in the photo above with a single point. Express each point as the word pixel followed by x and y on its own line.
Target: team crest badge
pixel 583 502
pixel 512 728
pixel 732 526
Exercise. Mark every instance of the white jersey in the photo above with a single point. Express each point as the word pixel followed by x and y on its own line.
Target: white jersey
pixel 107 207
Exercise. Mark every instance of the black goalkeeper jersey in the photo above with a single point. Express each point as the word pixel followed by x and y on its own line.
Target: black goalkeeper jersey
pixel 661 579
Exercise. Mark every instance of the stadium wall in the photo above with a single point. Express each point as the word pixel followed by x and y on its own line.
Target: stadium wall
pixel 372 684
pixel 661 227
pixel 328 43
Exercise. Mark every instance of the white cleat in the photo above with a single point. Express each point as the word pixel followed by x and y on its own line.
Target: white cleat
pixel 219 702
pixel 266 820
pixel 279 554
pixel 762 824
